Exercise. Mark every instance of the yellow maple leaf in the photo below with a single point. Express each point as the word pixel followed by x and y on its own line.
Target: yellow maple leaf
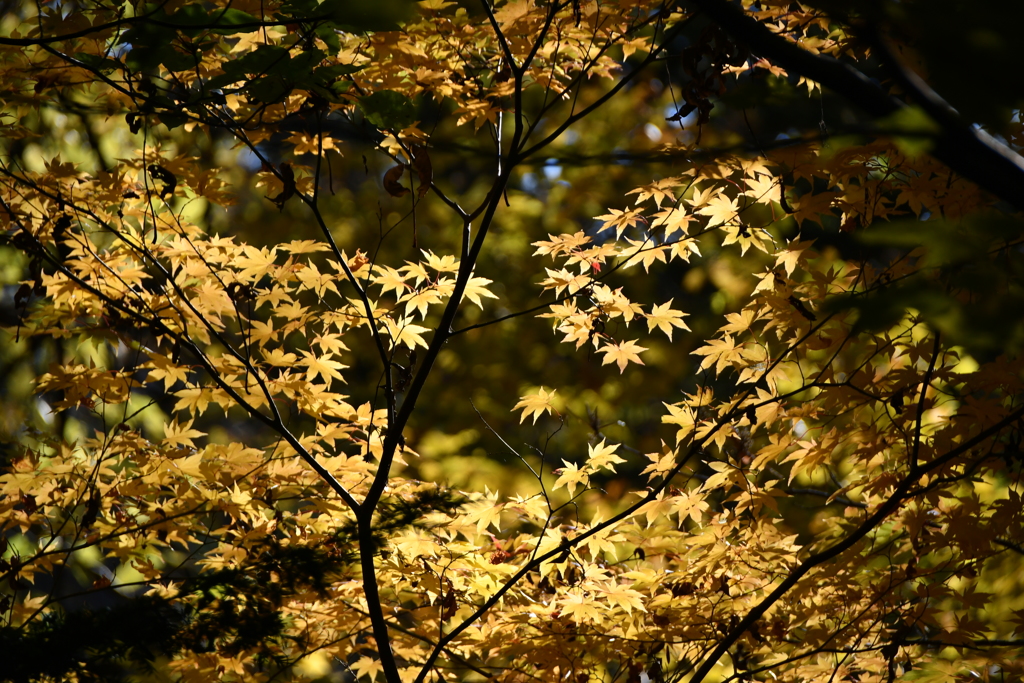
pixel 442 264
pixel 790 257
pixel 664 317
pixel 164 369
pixel 622 354
pixel 665 461
pixel 303 246
pixel 562 279
pixel 486 513
pixel 476 288
pixel 390 279
pixel 655 509
pixel 570 477
pixel 673 219
pixel 719 351
pixel 763 189
pixel 321 366
pixel 561 244
pixel 404 333
pixel 419 301
pixel 645 253
pixel 659 191
pixel 626 598
pixel 702 197
pixel 621 220
pixel 580 608
pixel 720 209
pixel 181 435
pixel 365 666
pixel 604 456
pixel 535 404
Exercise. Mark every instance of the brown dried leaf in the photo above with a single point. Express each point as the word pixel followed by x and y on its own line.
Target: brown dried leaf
pixel 391 184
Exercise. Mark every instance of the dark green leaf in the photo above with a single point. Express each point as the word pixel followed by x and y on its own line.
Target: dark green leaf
pixel 174 60
pixel 263 60
pixel 329 35
pixel 388 109
pixel 101 64
pixel 270 89
pixel 171 119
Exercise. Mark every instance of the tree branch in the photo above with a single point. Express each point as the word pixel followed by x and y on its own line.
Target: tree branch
pixel 900 493
pixel 968 151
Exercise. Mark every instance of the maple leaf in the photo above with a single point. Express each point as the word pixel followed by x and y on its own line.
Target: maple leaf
pixel 416 270
pixel 420 300
pixel 655 509
pixel 485 513
pixel 368 667
pixel 702 197
pixel 790 257
pixel 664 462
pixel 665 318
pixel 169 372
pixel 563 279
pixel 442 264
pixel 719 352
pixel 303 246
pixel 659 191
pixel 719 209
pixel 580 608
pixel 390 279
pixel 561 244
pixel 476 287
pixel 405 333
pixel 330 342
pixel 322 367
pixel 690 505
pixel 622 220
pixel 603 456
pixel 626 598
pixel 570 477
pixel 535 404
pixel 195 400
pixel 674 220
pixel 622 354
pixel 763 188
pixel 812 207
pixel 181 434
pixel 645 253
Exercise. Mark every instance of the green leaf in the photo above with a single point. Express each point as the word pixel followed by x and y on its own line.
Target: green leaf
pixel 175 60
pixel 388 109
pixel 232 18
pixel 300 69
pixel 171 119
pixel 263 60
pixel 354 16
pixel 329 35
pixel 101 64
pixel 219 21
pixel 912 129
pixel 270 89
pixel 326 74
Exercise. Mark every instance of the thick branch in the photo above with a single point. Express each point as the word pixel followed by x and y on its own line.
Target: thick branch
pixel 970 152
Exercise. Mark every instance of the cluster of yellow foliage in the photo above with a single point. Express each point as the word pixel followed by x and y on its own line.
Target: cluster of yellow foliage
pixel 241 397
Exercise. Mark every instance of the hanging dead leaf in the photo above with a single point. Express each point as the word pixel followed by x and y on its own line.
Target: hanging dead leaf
pixel 391 184
pixel 423 168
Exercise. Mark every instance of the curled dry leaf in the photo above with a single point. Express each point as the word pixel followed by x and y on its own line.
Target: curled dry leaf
pixel 424 170
pixel 391 181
